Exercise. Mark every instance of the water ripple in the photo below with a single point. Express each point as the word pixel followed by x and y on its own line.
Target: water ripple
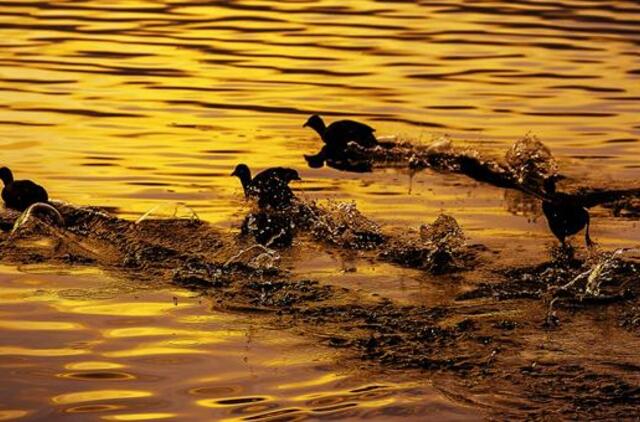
pixel 130 105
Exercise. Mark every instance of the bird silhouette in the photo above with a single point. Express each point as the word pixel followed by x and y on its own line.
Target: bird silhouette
pixel 566 214
pixel 20 194
pixel 339 133
pixel 270 186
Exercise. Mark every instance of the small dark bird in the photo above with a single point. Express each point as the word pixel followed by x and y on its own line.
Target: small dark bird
pixel 20 194
pixel 566 214
pixel 338 134
pixel 270 186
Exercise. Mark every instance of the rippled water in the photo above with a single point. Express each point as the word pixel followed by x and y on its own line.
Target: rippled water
pixel 81 344
pixel 139 103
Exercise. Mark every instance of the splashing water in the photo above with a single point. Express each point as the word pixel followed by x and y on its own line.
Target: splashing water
pixel 444 231
pixel 37 207
pixel 441 145
pixel 603 271
pixel 530 160
pixel 265 259
pixel 271 229
pixel 436 249
pixel 342 224
pixel 178 210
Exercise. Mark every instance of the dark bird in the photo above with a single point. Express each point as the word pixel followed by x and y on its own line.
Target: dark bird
pixel 338 134
pixel 566 214
pixel 20 194
pixel 270 186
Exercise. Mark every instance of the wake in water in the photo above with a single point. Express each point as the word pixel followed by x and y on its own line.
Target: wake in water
pixel 472 339
pixel 482 336
pixel 525 166
pixel 438 248
pixel 528 167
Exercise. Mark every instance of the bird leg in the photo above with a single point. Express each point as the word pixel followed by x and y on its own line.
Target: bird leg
pixel 587 238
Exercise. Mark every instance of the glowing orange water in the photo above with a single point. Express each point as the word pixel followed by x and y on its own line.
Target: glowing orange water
pixel 142 103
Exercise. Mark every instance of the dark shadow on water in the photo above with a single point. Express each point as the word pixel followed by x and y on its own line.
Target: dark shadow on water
pixel 343 161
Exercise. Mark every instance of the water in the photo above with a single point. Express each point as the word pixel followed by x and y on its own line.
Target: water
pixel 82 345
pixel 142 103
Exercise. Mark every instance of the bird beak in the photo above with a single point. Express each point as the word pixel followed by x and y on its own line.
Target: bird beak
pixel 233 174
pixel 306 124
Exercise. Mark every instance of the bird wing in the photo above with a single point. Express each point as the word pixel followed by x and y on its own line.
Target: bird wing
pixel 33 190
pixel 271 175
pixel 361 127
pixel 594 197
pixel 348 129
pixel 23 193
pixel 344 131
pixel 270 185
pixel 14 196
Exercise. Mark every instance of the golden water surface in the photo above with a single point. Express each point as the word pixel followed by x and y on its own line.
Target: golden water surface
pixel 133 104
pixel 86 347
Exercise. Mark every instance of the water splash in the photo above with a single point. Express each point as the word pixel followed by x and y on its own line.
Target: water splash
pixel 530 161
pixel 273 228
pixel 444 231
pixel 441 145
pixel 342 224
pixel 29 212
pixel 604 270
pixel 170 211
pixel 439 248
pixel 265 259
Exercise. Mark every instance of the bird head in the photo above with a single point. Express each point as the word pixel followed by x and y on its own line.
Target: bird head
pixel 241 171
pixel 5 175
pixel 291 175
pixel 315 122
